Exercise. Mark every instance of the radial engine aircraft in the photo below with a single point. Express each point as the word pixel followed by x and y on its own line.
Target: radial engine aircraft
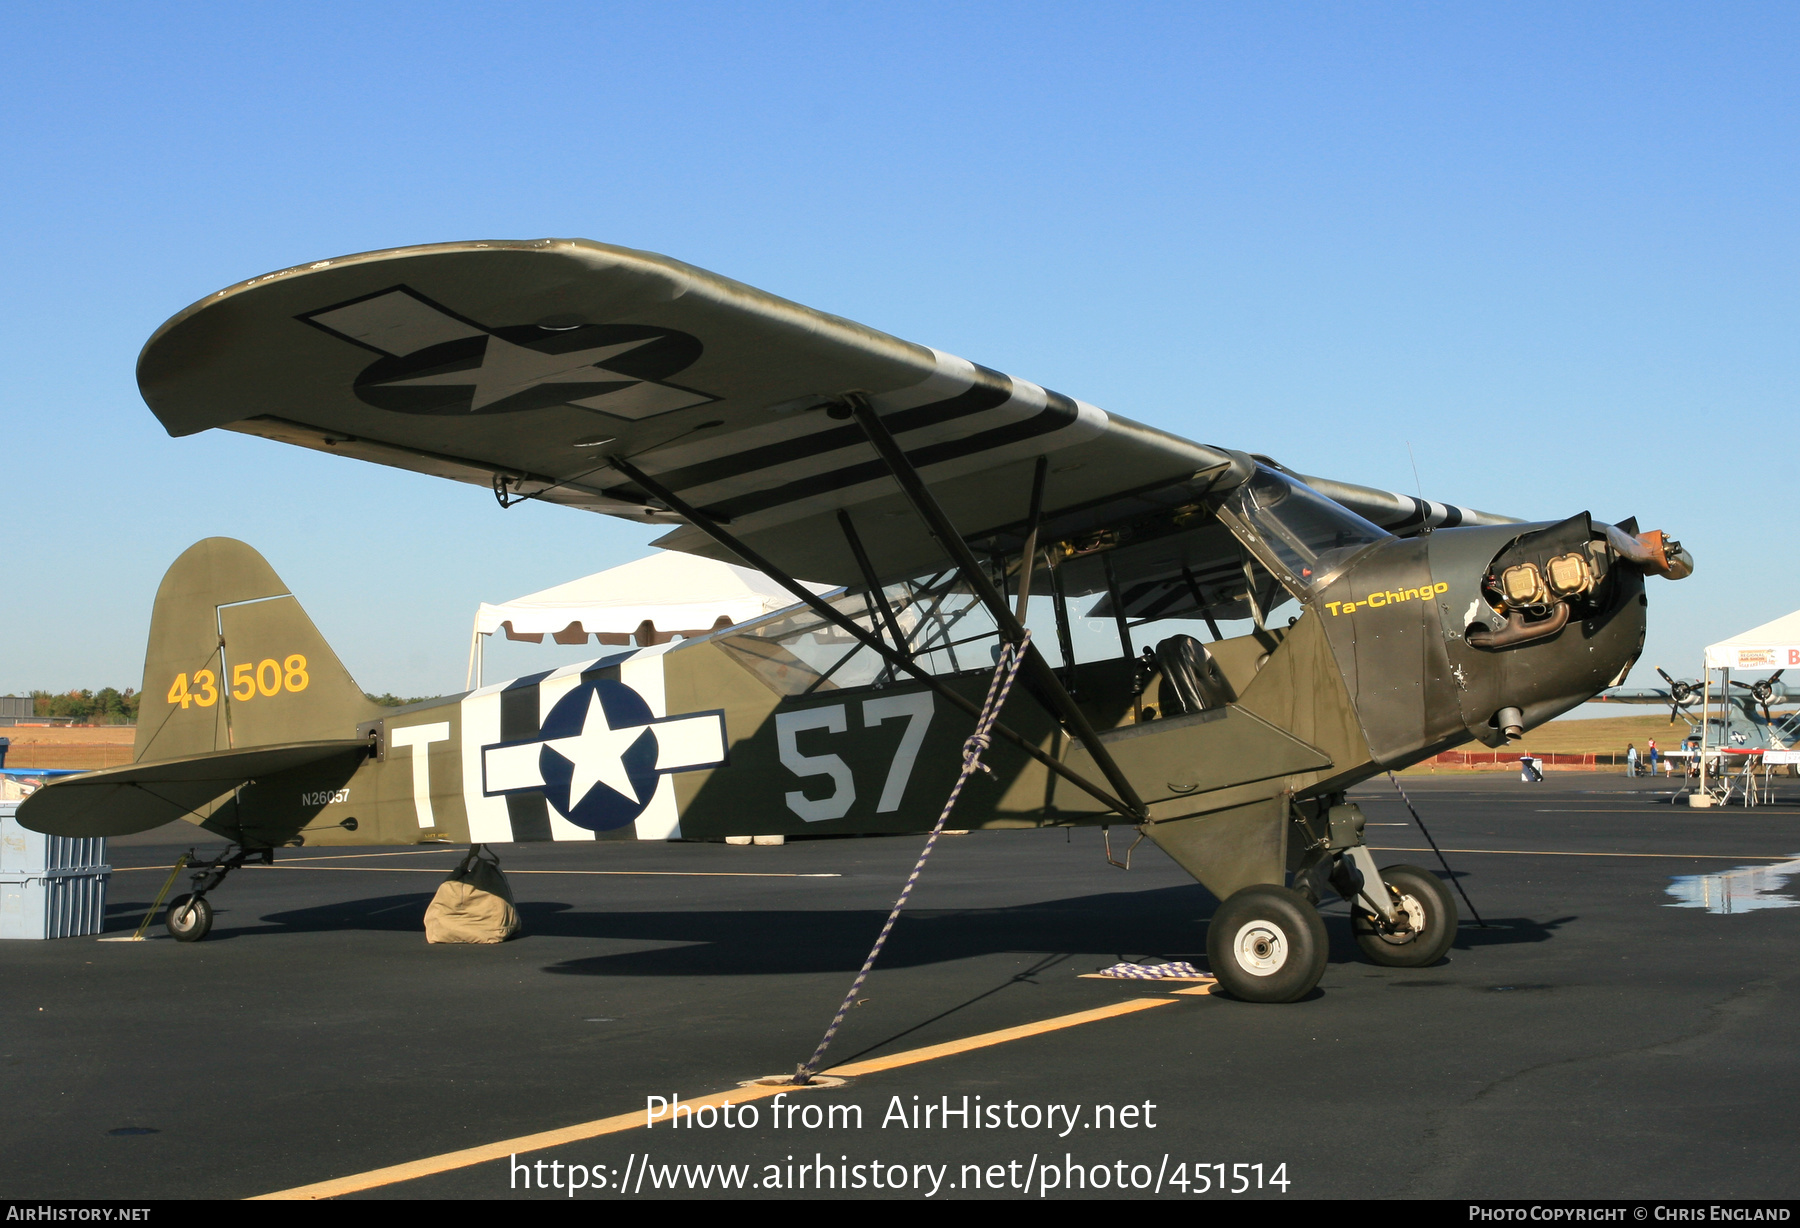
pixel 955 505
pixel 1740 716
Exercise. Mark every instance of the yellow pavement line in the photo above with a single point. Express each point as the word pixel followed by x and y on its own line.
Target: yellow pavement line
pixel 468 1156
pixel 932 1052
pixel 1550 853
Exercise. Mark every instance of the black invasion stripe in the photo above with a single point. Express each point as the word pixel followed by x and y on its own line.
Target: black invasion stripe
pixel 529 815
pixel 990 389
pixel 526 813
pixel 1415 517
pixel 519 708
pixel 1059 413
pixel 1453 516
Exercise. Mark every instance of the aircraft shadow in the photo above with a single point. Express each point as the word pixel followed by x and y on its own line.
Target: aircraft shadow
pixel 1506 931
pixel 1138 926
pixel 396 913
pixel 1167 923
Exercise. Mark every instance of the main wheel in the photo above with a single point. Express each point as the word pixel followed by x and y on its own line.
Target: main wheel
pixel 1267 944
pixel 1430 912
pixel 189 919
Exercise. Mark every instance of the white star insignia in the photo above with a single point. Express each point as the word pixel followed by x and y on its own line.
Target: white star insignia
pixel 597 754
pixel 507 369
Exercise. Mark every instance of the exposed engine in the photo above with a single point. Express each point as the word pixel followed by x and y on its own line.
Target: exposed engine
pixel 1543 579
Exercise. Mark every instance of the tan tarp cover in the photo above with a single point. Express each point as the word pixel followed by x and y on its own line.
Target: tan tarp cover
pixel 474 904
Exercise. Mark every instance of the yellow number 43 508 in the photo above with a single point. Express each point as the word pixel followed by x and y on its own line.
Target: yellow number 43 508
pixel 266 678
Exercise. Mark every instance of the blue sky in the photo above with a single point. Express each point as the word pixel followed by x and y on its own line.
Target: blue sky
pixel 1552 246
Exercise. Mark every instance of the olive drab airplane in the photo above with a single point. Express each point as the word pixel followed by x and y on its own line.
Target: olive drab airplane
pixel 954 505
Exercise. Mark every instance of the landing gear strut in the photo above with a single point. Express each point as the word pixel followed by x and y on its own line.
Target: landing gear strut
pixel 190 915
pixel 1423 925
pixel 1402 916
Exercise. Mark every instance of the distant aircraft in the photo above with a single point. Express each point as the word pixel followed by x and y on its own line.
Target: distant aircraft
pixel 1739 717
pixel 956 505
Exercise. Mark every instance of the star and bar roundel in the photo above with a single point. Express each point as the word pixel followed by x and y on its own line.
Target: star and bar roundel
pixel 434 361
pixel 600 754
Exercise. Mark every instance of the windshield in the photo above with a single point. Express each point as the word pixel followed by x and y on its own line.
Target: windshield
pixel 1312 536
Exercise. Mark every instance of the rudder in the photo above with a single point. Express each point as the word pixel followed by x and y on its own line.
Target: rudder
pixel 233 662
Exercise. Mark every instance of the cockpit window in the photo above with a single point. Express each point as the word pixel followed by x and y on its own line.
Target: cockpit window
pixel 1312 536
pixel 945 629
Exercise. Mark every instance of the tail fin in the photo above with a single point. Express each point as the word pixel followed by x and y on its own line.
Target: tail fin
pixel 234 662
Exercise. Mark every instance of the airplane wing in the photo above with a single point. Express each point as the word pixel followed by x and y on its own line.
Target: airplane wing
pixel 1622 696
pixel 139 796
pixel 524 365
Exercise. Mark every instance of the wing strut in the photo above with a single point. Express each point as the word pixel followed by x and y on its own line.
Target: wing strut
pixel 1028 556
pixel 1044 685
pixel 824 609
pixel 876 592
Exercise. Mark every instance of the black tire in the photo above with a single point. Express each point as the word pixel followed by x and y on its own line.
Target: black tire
pixel 189 920
pixel 1267 944
pixel 1421 894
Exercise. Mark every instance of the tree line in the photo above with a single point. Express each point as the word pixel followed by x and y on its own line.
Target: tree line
pixel 109 706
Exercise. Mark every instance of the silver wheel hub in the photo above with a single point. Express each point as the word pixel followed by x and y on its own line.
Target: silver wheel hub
pixel 1411 921
pixel 1261 948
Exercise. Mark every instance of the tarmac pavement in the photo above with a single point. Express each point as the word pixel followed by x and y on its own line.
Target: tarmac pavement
pixel 1594 1040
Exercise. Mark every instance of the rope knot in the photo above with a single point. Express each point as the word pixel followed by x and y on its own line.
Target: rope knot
pixel 973 749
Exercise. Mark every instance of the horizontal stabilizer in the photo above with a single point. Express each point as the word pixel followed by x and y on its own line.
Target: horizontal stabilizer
pixel 140 796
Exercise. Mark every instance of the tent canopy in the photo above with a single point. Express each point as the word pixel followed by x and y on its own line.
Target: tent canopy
pixel 1771 646
pixel 652 600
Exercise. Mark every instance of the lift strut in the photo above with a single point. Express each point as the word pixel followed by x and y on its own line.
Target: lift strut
pixel 1044 685
pixel 904 664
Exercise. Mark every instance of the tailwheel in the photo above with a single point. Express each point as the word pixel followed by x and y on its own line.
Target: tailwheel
pixel 1425 916
pixel 190 918
pixel 1267 944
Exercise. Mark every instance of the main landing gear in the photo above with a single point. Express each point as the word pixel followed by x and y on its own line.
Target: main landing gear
pixel 190 915
pixel 1267 943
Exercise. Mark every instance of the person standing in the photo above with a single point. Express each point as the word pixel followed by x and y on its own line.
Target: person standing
pixel 1654 756
pixel 1631 759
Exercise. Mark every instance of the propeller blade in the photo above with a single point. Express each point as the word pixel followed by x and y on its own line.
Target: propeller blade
pixel 1745 685
pixel 1665 676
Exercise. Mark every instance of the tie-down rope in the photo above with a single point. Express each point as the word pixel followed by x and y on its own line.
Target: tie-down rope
pixel 1448 872
pixel 1006 668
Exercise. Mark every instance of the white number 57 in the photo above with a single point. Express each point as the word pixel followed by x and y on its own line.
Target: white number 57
pixel 917 707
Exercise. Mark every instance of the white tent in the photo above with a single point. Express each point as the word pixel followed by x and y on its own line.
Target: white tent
pixel 650 601
pixel 1771 646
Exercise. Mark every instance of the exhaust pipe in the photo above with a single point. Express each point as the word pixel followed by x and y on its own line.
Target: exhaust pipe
pixel 1518 631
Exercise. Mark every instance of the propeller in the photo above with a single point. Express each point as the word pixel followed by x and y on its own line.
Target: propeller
pixel 1763 692
pixel 1681 694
